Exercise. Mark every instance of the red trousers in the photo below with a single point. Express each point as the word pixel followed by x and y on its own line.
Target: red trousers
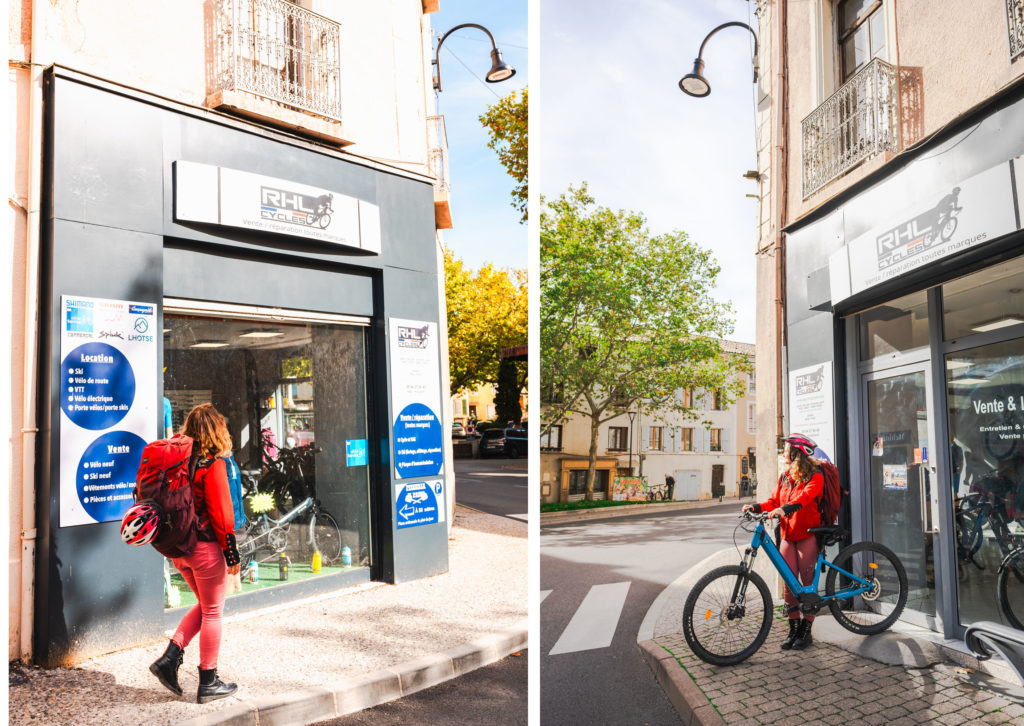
pixel 801 557
pixel 205 572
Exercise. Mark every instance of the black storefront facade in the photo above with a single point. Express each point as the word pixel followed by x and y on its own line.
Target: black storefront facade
pixel 294 331
pixel 905 345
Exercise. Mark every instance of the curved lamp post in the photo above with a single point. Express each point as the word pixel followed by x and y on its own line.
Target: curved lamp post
pixel 500 70
pixel 694 83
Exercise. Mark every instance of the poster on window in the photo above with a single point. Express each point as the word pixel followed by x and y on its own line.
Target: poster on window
pixel 417 429
pixel 811 408
pixel 108 404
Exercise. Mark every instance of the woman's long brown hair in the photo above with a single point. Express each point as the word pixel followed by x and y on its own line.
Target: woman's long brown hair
pixel 800 466
pixel 205 425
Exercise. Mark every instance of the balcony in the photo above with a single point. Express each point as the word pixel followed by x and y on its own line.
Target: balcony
pixel 855 123
pixel 437 164
pixel 278 63
pixel 1015 25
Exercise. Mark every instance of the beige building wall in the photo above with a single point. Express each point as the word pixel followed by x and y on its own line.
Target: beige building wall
pixel 164 47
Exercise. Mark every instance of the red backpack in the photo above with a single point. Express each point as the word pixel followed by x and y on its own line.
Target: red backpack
pixel 832 495
pixel 165 477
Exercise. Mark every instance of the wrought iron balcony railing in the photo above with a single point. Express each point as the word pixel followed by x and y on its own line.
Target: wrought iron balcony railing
pixel 281 52
pixel 1015 25
pixel 438 152
pixel 855 123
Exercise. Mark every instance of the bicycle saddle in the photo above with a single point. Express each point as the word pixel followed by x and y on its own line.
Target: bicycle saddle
pixel 829 535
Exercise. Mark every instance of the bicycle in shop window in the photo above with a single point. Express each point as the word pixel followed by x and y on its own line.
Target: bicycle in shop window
pixel 728 613
pixel 265 537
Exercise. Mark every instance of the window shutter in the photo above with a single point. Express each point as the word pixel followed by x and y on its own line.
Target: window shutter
pixel 705 440
pixel 645 438
pixel 725 440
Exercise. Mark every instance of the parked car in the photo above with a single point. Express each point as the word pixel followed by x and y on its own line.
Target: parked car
pixel 458 431
pixel 510 442
pixel 516 442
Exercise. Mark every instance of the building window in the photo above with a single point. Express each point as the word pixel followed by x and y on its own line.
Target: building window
pixel 578 482
pixel 657 438
pixel 552 439
pixel 716 440
pixel 1015 23
pixel 686 439
pixel 751 418
pixel 861 35
pixel 718 401
pixel 617 438
pixel 686 397
pixel 472 411
pixel 751 383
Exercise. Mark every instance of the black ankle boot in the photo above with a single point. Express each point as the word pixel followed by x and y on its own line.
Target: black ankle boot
pixel 794 628
pixel 803 638
pixel 165 668
pixel 211 687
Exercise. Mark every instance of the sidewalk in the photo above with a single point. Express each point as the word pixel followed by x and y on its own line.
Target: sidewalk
pixel 626 510
pixel 325 656
pixel 904 676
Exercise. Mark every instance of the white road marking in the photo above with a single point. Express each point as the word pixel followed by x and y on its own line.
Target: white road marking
pixel 524 517
pixel 594 622
pixel 544 594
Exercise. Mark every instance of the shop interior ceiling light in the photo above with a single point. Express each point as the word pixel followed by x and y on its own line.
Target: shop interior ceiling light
pixel 996 324
pixel 261 333
pixel 954 364
pixel 210 344
pixel 968 381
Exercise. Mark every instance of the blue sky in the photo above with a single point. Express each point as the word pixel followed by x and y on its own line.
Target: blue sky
pixel 486 226
pixel 611 114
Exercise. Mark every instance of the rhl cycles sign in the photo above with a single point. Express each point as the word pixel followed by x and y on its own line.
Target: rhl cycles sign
pixel 925 231
pixel 281 205
pixel 810 382
pixel 409 337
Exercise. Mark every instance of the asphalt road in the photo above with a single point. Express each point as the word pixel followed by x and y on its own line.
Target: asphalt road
pixel 495 485
pixel 598 580
pixel 493 695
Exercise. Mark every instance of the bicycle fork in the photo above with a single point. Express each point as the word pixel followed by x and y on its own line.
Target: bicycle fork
pixel 739 591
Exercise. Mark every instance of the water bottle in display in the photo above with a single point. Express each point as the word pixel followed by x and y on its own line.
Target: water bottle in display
pixel 346 556
pixel 316 561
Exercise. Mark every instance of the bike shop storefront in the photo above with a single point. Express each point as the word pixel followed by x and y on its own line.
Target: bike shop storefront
pixel 916 278
pixel 190 258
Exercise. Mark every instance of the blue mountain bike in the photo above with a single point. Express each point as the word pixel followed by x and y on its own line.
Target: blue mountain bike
pixel 728 613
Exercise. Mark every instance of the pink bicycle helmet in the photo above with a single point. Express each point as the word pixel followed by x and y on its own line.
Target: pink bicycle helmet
pixel 801 442
pixel 140 524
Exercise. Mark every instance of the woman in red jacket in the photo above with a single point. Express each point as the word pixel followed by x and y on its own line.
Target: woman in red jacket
pixel 795 501
pixel 214 557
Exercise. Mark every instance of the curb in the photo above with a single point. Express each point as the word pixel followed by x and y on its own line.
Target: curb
pixel 574 515
pixel 372 689
pixel 689 701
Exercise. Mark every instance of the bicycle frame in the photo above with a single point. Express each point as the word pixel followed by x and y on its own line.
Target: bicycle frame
pixel 762 540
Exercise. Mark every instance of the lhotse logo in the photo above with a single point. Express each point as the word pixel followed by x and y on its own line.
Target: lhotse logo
pixel 409 337
pixel 283 205
pixel 923 232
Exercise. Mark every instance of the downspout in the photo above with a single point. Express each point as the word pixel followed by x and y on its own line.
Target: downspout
pixel 29 426
pixel 782 145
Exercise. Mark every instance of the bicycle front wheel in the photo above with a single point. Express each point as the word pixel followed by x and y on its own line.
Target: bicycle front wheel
pixel 877 608
pixel 326 536
pixel 1010 589
pixel 725 620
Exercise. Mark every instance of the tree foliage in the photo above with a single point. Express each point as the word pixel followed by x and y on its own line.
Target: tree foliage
pixel 506 121
pixel 487 311
pixel 627 318
pixel 506 399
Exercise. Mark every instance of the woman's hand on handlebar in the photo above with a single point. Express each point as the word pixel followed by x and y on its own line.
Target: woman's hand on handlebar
pixel 777 513
pixel 747 508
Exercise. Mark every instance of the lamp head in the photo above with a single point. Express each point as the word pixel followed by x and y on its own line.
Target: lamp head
pixel 500 70
pixel 694 83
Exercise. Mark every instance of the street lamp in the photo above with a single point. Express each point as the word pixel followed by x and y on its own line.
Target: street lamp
pixel 694 83
pixel 632 415
pixel 500 70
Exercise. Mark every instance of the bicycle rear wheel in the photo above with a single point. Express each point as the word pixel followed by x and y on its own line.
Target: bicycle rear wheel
pixel 875 610
pixel 725 620
pixel 326 537
pixel 1010 589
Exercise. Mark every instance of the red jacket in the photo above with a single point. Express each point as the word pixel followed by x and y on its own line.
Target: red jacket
pixel 213 501
pixel 788 494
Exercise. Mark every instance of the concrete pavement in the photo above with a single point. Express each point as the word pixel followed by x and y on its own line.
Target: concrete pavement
pixel 906 675
pixel 319 658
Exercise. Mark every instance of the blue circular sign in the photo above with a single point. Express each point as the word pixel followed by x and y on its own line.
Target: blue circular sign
pixel 97 386
pixel 419 444
pixel 106 474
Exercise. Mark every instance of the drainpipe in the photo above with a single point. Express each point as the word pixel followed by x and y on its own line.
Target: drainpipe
pixel 30 361
pixel 782 189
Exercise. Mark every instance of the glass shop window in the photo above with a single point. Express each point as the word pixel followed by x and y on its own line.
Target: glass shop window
pixel 897 326
pixel 988 300
pixel 294 396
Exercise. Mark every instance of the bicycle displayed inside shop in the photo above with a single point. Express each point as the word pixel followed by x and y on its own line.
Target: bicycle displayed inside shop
pixel 725 621
pixel 264 537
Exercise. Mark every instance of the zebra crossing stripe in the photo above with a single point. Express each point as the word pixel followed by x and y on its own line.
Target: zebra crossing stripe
pixel 544 594
pixel 523 517
pixel 593 624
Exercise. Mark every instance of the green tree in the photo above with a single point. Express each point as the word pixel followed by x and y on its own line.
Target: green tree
pixel 506 121
pixel 506 400
pixel 487 311
pixel 627 318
